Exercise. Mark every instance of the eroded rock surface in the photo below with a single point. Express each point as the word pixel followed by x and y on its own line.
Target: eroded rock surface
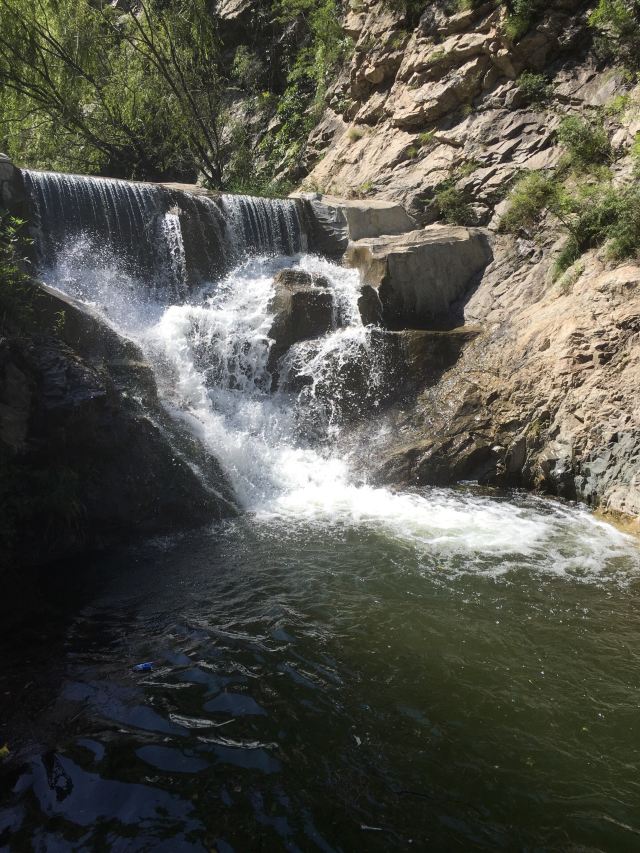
pixel 547 397
pixel 421 277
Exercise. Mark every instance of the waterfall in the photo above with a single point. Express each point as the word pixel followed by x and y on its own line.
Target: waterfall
pixel 191 280
pixel 168 238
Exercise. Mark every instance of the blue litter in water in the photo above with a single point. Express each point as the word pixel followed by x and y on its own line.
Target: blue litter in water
pixel 143 667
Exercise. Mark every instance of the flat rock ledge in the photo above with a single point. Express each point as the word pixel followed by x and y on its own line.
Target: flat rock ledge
pixel 333 222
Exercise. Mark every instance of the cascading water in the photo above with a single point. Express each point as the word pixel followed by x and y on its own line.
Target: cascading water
pixel 164 237
pixel 281 450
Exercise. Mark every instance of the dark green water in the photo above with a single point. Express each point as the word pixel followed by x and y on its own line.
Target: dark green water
pixel 338 687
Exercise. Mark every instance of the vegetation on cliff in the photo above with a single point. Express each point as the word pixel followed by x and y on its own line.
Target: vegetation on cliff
pixel 581 195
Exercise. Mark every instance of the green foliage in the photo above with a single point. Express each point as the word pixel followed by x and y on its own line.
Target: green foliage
pixel 533 194
pixel 534 87
pixel 452 206
pixel 436 56
pixel 321 47
pixel 412 152
pixel 586 141
pixel 617 23
pixel 427 139
pixel 88 87
pixel 466 168
pixel 15 285
pixel 603 214
pixel 520 17
pixel 618 106
pixel 635 153
pixel 593 214
pixel 247 70
pixel 520 14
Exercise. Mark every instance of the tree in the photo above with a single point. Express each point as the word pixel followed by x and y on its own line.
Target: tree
pixel 133 93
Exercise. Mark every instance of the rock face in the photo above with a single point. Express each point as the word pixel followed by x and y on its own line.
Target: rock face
pixel 333 222
pixel 12 192
pixel 546 397
pixel 419 277
pixel 303 308
pixel 436 103
pixel 88 454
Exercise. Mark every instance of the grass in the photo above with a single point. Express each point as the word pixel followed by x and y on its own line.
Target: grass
pixel 355 133
pixel 585 140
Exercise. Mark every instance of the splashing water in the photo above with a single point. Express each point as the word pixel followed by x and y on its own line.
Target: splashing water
pixel 282 449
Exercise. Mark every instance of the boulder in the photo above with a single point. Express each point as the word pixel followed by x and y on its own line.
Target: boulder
pixel 303 308
pixel 420 277
pixel 90 455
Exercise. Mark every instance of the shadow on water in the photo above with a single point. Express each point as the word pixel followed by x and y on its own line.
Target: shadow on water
pixel 322 687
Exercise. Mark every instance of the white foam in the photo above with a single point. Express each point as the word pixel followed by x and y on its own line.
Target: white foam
pixel 210 359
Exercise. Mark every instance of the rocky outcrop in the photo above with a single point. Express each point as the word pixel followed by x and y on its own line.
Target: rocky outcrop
pixel 434 110
pixel 421 277
pixel 437 103
pixel 333 222
pixel 89 456
pixel 303 307
pixel 546 397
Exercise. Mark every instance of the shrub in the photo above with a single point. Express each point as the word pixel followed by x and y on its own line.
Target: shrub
pixel 618 106
pixel 617 23
pixel 520 17
pixel 354 134
pixel 533 194
pixel 412 152
pixel 452 206
pixel 586 141
pixel 603 214
pixel 534 87
pixel 15 284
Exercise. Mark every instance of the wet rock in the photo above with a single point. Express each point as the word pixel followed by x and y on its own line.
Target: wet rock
pixel 369 306
pixel 303 308
pixel 369 372
pixel 91 455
